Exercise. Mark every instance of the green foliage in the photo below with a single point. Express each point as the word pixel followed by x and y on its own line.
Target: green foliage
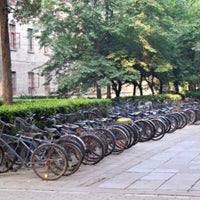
pixel 154 98
pixel 193 94
pixel 83 34
pixel 97 42
pixel 48 107
pixel 26 10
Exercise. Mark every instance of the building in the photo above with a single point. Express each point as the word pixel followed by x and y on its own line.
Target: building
pixel 26 59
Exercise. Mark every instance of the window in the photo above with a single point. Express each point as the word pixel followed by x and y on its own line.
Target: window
pixel 30 40
pixel 14 85
pixel 34 80
pixel 14 37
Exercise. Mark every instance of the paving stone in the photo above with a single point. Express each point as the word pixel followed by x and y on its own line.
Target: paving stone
pixel 168 169
pixel 157 176
pixel 146 166
pixel 180 181
pixel 146 185
pixel 122 181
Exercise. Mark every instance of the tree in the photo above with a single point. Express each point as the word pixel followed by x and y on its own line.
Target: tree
pixel 183 38
pixel 102 43
pixel 85 33
pixel 168 35
pixel 25 9
pixel 6 60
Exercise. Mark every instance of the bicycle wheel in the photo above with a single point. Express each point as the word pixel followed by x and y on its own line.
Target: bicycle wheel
pixel 1 155
pixel 136 132
pixel 146 129
pixel 94 149
pixel 104 142
pixel 77 139
pixel 197 121
pixel 159 129
pixel 49 161
pixel 126 131
pixel 191 116
pixel 74 155
pixel 110 139
pixel 182 120
pixel 133 134
pixel 7 157
pixel 173 123
pixel 166 123
pixel 121 139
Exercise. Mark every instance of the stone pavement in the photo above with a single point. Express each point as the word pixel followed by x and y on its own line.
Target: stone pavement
pixel 168 169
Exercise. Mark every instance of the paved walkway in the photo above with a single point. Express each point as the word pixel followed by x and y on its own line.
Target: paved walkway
pixel 168 169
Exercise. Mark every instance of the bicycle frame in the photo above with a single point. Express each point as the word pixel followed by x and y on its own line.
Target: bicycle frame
pixel 28 143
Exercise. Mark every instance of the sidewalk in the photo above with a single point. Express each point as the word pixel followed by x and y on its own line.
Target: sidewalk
pixel 168 169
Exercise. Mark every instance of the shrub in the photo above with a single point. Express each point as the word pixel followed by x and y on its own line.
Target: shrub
pixel 193 94
pixel 49 107
pixel 154 98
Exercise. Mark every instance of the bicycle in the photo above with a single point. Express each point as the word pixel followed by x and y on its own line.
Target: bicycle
pixel 48 160
pixel 72 146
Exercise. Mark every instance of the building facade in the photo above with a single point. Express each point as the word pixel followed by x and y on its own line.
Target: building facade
pixel 26 60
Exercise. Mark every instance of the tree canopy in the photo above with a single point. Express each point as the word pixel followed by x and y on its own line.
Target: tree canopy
pixel 113 42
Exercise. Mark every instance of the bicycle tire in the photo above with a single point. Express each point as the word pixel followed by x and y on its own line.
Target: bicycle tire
pixel 182 120
pixel 197 121
pixel 191 116
pixel 49 161
pixel 159 129
pixel 74 155
pixel 146 129
pixel 134 135
pixel 94 149
pixel 127 132
pixel 1 155
pixel 110 139
pixel 102 137
pixel 166 123
pixel 173 123
pixel 121 139
pixel 79 142
pixel 8 158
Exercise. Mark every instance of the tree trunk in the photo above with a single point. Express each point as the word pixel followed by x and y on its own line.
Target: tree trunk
pixel 191 86
pixel 134 88
pixel 108 92
pixel 117 87
pixel 176 86
pixel 98 92
pixel 161 87
pixel 151 87
pixel 140 86
pixel 150 82
pixel 6 58
pixel 1 77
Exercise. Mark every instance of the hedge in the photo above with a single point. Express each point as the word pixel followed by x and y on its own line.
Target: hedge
pixel 49 107
pixel 193 94
pixel 154 98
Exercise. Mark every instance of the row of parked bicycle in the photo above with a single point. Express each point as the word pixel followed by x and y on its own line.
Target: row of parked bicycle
pixel 61 143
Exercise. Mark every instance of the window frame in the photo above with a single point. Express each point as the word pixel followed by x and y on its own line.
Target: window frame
pixel 14 37
pixel 14 83
pixel 30 40
pixel 33 80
